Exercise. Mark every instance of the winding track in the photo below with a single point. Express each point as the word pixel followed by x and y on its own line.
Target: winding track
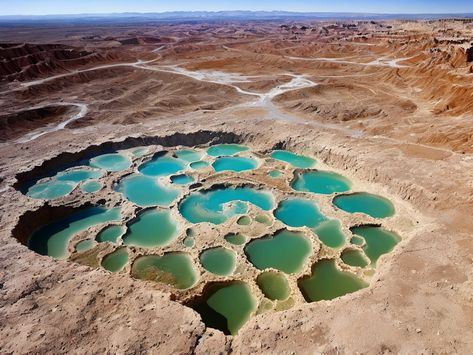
pixel 379 62
pixel 83 109
pixel 216 77
pixel 263 100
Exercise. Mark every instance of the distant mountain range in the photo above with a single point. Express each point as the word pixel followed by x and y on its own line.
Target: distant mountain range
pixel 196 16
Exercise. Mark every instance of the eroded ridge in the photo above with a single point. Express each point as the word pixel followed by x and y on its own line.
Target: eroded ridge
pixel 230 231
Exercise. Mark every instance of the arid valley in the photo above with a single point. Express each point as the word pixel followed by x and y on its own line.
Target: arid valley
pixel 385 106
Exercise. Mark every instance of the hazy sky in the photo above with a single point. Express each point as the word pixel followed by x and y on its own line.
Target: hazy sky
pixel 42 7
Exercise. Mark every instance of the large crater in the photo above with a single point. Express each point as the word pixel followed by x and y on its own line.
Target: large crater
pixel 230 228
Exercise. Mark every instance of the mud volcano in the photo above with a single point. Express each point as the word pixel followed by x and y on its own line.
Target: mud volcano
pixel 229 231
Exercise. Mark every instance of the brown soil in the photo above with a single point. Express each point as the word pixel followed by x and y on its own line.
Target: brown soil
pixel 404 130
pixel 17 124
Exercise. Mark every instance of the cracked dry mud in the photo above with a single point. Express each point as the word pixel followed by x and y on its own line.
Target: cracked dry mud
pixel 401 139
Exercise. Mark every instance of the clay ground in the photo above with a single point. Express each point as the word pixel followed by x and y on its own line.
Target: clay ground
pixel 389 104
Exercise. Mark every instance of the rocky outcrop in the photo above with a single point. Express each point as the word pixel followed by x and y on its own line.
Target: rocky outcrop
pixel 469 54
pixel 26 61
pixel 14 125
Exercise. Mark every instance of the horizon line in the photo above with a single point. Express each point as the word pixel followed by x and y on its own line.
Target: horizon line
pixel 230 11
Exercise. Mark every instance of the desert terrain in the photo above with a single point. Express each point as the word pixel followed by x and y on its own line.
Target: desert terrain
pixel 388 104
